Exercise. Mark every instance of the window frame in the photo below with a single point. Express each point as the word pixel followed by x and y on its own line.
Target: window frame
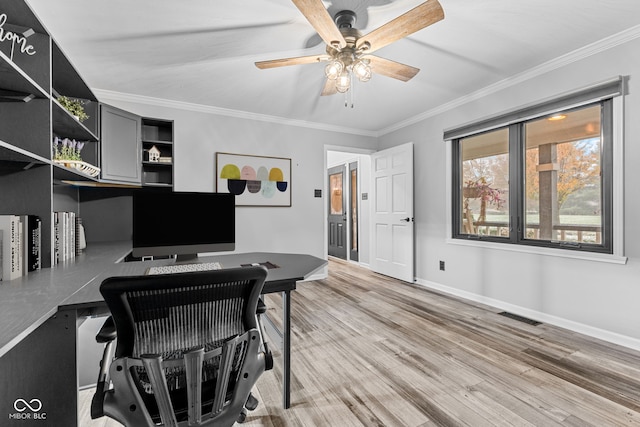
pixel 606 95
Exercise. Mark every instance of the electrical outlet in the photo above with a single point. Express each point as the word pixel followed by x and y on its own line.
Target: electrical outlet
pixel 442 265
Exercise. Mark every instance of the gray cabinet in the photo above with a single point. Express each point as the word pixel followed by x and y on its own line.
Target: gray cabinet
pixel 120 145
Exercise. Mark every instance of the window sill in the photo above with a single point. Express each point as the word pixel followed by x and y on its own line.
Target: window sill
pixel 586 256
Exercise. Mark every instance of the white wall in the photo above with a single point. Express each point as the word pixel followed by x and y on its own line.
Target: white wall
pixel 597 298
pixel 199 135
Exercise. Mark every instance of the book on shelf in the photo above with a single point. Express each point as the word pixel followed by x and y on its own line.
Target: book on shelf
pixel 1 251
pixel 80 239
pixel 32 226
pixel 21 245
pixel 11 255
pixel 66 230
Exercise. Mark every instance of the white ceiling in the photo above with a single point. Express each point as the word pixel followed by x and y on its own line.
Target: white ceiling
pixel 203 51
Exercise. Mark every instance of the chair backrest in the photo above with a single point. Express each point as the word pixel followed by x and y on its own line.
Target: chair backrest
pixel 187 346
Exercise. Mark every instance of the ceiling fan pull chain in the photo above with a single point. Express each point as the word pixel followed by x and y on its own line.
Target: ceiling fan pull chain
pixel 353 88
pixel 348 95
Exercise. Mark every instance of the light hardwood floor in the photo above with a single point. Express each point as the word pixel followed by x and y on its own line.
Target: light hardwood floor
pixel 368 350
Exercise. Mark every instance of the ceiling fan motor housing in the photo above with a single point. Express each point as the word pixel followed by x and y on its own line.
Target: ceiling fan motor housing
pixel 345 19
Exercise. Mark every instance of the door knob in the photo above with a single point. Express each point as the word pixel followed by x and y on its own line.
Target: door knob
pixel 407 219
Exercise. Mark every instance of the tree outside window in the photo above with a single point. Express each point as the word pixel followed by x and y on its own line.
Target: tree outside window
pixel 485 183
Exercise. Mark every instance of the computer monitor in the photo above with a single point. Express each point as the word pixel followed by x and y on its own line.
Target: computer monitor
pixel 182 224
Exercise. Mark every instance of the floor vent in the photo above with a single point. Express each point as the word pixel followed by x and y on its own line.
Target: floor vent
pixel 519 318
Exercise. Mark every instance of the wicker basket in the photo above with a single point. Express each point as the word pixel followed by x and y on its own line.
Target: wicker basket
pixel 84 167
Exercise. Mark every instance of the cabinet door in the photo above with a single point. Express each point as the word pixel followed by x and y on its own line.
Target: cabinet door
pixel 120 145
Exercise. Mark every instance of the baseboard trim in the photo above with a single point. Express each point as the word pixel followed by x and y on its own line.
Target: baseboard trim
pixel 317 276
pixel 581 328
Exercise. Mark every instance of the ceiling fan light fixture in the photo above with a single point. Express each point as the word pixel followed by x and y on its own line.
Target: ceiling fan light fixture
pixel 333 69
pixel 348 51
pixel 343 83
pixel 362 70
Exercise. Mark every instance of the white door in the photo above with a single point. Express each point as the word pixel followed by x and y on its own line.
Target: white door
pixel 392 203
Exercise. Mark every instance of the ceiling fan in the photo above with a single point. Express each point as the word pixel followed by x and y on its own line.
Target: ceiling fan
pixel 349 52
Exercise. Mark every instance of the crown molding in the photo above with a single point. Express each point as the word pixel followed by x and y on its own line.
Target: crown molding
pixel 559 62
pixel 200 108
pixel 556 63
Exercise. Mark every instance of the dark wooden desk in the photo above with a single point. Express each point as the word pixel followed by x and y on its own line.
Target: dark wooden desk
pixel 40 314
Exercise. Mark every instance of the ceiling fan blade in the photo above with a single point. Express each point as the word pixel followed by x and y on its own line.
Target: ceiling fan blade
pixel 414 20
pixel 329 88
pixel 389 68
pixel 284 62
pixel 321 21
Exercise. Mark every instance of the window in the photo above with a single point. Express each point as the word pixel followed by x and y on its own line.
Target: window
pixel 335 189
pixel 539 179
pixel 562 178
pixel 484 175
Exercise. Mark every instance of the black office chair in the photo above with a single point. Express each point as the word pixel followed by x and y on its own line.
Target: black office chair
pixel 189 348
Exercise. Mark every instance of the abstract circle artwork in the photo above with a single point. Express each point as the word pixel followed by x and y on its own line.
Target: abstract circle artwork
pixel 255 180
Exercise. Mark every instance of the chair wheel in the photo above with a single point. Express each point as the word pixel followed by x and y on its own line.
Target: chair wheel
pixel 242 417
pixel 252 403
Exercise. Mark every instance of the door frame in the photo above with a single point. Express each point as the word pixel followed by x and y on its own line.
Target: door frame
pixel 353 254
pixel 325 189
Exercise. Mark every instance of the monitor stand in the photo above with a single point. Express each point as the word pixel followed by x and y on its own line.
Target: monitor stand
pixel 186 258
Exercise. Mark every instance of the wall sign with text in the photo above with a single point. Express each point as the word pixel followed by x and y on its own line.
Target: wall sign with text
pixel 17 37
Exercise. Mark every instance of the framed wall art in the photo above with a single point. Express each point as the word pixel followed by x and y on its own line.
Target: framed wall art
pixel 255 180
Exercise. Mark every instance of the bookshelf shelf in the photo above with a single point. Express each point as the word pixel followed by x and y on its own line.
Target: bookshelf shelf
pixel 14 79
pixel 30 118
pixel 67 126
pixel 65 78
pixel 157 134
pixel 159 184
pixel 157 142
pixel 158 164
pixel 11 153
pixel 63 173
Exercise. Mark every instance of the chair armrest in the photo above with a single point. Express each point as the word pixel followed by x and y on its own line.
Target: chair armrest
pixel 268 358
pixel 262 307
pixel 107 331
pixel 106 335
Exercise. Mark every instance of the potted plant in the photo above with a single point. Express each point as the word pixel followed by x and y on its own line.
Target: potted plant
pixel 480 189
pixel 66 152
pixel 67 149
pixel 74 106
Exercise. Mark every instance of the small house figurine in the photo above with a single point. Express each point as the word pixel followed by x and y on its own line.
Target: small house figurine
pixel 154 154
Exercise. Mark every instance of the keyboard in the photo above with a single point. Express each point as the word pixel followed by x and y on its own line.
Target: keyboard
pixel 184 268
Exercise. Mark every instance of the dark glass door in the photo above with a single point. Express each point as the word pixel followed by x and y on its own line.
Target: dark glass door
pixel 337 212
